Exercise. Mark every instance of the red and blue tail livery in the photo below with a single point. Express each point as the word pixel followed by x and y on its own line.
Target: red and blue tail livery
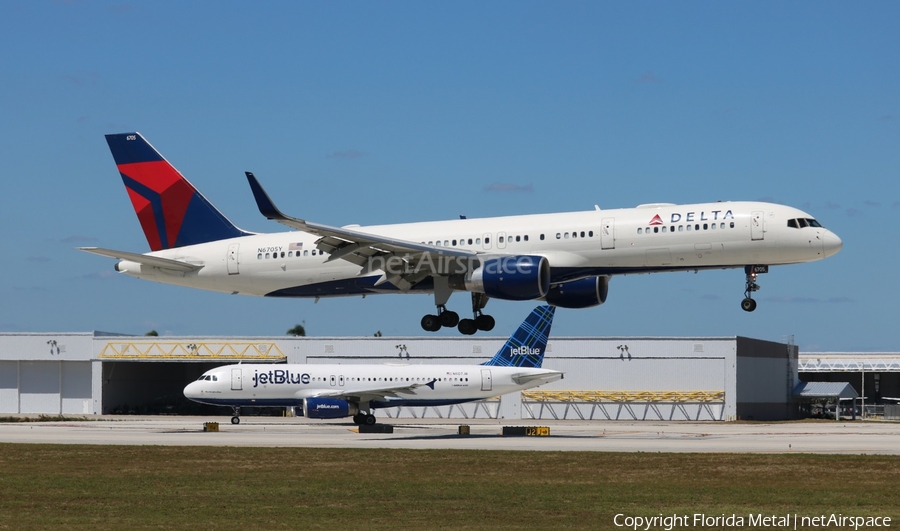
pixel 171 211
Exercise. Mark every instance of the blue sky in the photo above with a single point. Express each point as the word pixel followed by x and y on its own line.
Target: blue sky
pixel 406 111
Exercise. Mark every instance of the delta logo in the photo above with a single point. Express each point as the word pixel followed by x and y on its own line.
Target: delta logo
pixel 656 220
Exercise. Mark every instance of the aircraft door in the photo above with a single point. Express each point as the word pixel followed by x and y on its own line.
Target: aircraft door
pixel 756 226
pixel 232 259
pixel 486 383
pixel 332 380
pixel 501 240
pixel 486 240
pixel 608 233
pixel 236 380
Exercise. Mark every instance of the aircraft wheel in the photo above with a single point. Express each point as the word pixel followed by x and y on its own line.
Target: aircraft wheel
pixel 431 323
pixel 467 327
pixel 748 304
pixel 235 420
pixel 485 322
pixel 370 419
pixel 449 319
pixel 359 418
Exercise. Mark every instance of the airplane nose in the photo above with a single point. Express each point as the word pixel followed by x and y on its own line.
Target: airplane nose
pixel 191 391
pixel 831 243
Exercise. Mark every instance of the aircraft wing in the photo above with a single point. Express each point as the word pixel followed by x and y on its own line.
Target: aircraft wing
pixel 411 261
pixel 143 259
pixel 375 393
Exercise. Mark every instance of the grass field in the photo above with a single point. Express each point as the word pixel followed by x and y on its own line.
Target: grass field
pixel 118 487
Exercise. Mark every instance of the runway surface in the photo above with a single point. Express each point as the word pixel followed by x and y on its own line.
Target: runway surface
pixel 601 436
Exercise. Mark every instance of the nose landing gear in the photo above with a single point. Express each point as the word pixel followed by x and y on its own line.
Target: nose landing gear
pixel 236 419
pixel 752 272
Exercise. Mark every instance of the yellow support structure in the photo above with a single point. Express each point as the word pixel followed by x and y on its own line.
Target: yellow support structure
pixel 624 396
pixel 172 350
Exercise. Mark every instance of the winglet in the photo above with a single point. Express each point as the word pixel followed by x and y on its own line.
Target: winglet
pixel 526 347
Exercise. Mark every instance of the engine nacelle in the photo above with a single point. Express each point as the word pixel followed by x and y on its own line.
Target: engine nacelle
pixel 582 293
pixel 511 278
pixel 328 408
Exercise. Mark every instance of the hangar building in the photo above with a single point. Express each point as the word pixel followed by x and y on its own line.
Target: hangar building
pixel 628 378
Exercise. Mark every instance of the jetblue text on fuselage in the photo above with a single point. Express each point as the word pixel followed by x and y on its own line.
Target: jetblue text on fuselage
pixel 279 376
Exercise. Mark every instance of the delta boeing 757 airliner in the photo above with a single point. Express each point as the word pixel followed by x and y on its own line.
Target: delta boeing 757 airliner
pixel 339 391
pixel 565 259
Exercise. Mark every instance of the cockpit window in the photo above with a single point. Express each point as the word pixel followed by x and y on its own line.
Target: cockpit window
pixel 799 223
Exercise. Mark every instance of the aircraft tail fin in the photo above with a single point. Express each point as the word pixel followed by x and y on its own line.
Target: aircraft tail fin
pixel 526 347
pixel 171 211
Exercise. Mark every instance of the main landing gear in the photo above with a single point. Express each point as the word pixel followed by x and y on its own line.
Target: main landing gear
pixel 748 304
pixel 449 319
pixel 364 418
pixel 236 419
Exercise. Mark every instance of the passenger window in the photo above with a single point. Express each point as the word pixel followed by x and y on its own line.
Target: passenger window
pixel 640 230
pixel 526 238
pixel 689 228
pixel 655 230
pixel 542 237
pixel 558 235
pixel 500 239
pixel 574 234
pixel 705 226
pixel 437 243
pixel 518 238
pixel 712 226
pixel 721 225
pixel 732 224
pixel 282 254
pixel 566 236
pixel 430 242
pixel 681 228
pixel 446 243
pixel 477 241
pixel 697 226
pixel 259 256
pixel 664 229
pixel 470 241
pixel 267 256
pixel 305 253
pixel 290 254
pixel 487 241
pixel 454 243
pixel 313 252
pixel 582 234
pixel 591 234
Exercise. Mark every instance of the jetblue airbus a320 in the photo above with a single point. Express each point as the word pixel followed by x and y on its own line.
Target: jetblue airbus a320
pixel 356 390
pixel 565 259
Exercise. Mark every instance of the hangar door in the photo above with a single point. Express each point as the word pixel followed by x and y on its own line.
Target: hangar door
pixel 48 387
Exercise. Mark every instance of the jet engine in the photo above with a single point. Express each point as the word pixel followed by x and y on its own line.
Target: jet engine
pixel 328 408
pixel 584 293
pixel 511 278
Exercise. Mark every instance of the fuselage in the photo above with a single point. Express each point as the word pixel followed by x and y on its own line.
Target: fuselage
pixel 645 239
pixel 289 384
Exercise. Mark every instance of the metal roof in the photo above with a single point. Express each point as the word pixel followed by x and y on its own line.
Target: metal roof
pixel 824 390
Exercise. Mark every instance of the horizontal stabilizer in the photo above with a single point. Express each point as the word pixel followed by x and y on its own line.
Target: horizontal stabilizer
pixel 545 377
pixel 143 259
